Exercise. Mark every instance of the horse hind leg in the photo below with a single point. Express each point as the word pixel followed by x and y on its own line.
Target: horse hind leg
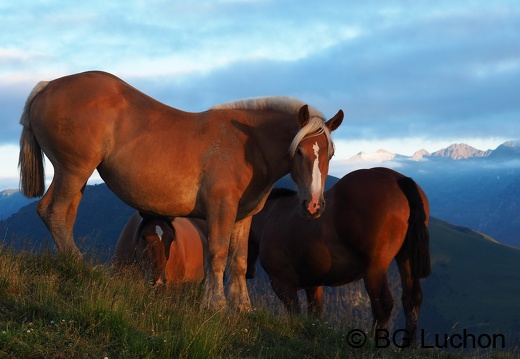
pixel 58 209
pixel 381 301
pixel 411 298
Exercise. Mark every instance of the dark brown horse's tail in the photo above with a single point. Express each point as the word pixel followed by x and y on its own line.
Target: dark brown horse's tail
pixel 30 161
pixel 417 241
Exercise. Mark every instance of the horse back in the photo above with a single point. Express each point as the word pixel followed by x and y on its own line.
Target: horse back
pixel 371 210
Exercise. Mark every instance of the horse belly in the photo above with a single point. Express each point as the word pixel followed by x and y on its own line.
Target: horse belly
pixel 167 201
pixel 331 267
pixel 153 189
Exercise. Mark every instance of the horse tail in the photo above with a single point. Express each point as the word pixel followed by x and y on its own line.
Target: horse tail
pixel 30 161
pixel 417 241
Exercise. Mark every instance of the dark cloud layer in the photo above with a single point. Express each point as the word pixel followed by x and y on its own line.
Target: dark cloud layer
pixel 398 69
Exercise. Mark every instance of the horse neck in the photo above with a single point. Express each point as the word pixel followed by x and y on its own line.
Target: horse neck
pixel 274 144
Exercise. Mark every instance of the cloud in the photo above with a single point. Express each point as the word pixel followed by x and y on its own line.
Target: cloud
pixel 403 72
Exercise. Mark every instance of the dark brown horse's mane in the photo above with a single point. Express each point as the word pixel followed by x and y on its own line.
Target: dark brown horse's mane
pixel 281 192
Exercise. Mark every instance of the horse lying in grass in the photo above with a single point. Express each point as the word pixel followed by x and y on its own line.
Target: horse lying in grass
pixel 171 250
pixel 218 165
pixel 372 217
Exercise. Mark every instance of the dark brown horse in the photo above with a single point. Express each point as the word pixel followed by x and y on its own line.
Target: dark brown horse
pixel 372 217
pixel 172 249
pixel 217 165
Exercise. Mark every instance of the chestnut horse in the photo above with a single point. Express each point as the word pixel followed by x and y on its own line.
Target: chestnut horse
pixel 372 217
pixel 218 165
pixel 171 248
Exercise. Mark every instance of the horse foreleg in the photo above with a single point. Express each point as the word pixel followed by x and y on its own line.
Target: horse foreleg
pixel 288 295
pixel 220 226
pixel 238 296
pixel 314 302
pixel 381 301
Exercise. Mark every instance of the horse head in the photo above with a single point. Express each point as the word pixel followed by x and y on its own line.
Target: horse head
pixel 158 234
pixel 311 151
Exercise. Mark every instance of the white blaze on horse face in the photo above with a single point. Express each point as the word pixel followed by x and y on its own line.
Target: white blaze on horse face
pixel 159 232
pixel 316 181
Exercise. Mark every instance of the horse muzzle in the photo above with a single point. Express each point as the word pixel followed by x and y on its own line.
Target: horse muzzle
pixel 313 208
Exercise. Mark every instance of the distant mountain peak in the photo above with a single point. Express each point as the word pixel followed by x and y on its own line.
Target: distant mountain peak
pixel 459 151
pixel 507 150
pixel 8 192
pixel 378 156
pixel 515 145
pixel 420 155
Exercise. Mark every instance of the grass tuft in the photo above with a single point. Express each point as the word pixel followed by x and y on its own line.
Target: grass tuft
pixel 54 306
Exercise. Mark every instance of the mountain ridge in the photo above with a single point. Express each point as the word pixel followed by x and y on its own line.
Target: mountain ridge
pixel 456 151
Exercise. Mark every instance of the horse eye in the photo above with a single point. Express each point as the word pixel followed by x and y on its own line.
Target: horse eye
pixel 299 151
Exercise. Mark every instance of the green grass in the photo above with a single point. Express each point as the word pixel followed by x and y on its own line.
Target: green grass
pixel 57 307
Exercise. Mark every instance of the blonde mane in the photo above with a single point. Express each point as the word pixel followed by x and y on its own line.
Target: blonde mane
pixel 315 127
pixel 274 103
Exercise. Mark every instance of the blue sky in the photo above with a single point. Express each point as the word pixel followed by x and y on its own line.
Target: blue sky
pixel 408 74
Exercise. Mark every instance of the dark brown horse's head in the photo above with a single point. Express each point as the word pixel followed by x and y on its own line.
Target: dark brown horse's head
pixel 158 234
pixel 311 150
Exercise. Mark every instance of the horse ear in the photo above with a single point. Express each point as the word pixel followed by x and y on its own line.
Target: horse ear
pixel 334 122
pixel 303 115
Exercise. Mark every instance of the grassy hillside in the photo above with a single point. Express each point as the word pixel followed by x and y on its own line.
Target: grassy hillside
pixel 54 307
pixel 475 282
pixel 475 286
pixel 59 308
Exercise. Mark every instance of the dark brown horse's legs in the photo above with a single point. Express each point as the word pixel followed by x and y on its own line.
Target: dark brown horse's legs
pixel 376 284
pixel 314 302
pixel 288 296
pixel 412 299
pixel 412 295
pixel 412 306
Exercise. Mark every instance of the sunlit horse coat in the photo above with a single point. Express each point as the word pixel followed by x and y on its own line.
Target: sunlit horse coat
pixel 171 250
pixel 218 165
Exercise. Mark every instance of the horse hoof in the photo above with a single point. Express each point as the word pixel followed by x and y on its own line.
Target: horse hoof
pixel 242 306
pixel 214 305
